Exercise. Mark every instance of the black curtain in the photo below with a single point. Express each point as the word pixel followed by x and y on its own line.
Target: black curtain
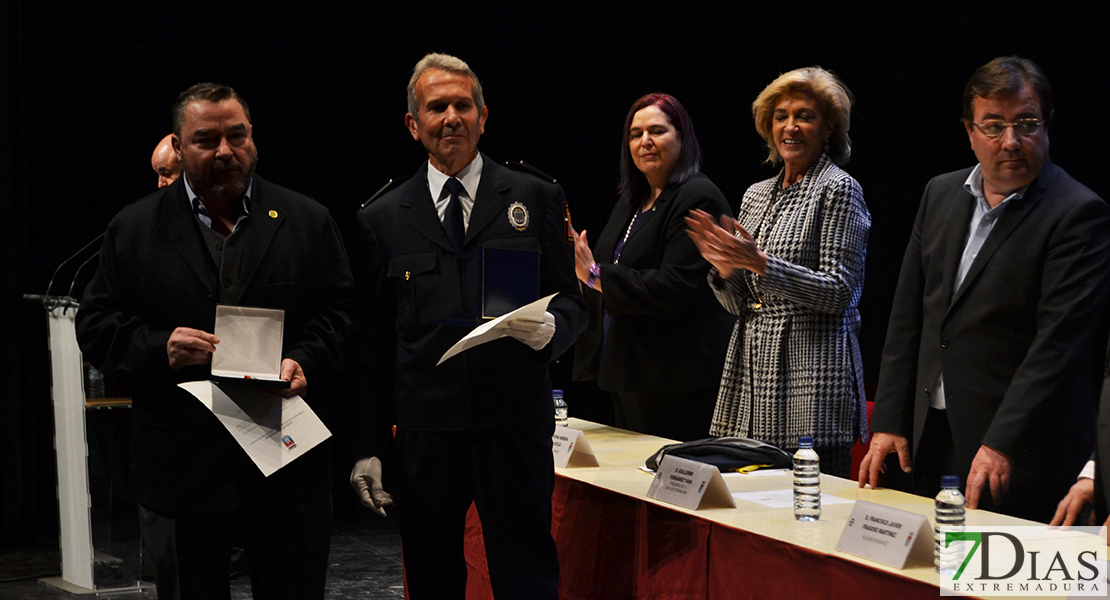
pixel 28 503
pixel 86 95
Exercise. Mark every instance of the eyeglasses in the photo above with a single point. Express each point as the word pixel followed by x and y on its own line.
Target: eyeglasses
pixel 993 129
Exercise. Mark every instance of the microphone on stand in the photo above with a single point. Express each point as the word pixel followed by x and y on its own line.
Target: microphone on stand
pixel 78 272
pixel 53 302
pixel 380 191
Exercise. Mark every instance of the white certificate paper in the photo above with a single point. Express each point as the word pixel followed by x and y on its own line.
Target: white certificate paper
pixel 272 430
pixel 784 498
pixel 495 329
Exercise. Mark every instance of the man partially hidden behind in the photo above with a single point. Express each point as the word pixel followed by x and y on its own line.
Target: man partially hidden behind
pixel 477 427
pixel 165 163
pixel 221 235
pixel 993 356
pixel 157 530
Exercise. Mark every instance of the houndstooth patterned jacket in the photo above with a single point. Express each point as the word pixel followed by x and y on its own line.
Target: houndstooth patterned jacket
pixel 794 367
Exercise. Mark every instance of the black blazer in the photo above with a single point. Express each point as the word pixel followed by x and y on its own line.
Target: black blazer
pixel 156 274
pixel 1101 455
pixel 1020 342
pixel 415 282
pixel 667 331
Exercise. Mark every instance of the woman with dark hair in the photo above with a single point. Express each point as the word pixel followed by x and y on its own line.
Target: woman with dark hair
pixel 791 267
pixel 657 336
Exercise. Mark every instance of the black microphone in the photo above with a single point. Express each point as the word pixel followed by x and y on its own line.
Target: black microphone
pixel 78 272
pixel 380 191
pixel 66 261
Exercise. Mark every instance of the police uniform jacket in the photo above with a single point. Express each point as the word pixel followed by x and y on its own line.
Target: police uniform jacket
pixel 421 293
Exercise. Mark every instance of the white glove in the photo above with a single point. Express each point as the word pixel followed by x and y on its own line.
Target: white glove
pixel 366 478
pixel 531 333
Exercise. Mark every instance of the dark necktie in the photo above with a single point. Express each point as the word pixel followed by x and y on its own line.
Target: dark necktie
pixel 453 217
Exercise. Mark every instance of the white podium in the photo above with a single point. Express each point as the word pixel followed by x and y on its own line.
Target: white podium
pixel 79 558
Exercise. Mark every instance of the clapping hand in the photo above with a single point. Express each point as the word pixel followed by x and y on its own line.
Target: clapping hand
pixel 727 246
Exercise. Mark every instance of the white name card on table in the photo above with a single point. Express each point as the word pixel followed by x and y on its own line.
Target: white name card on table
pixel 886 535
pixel 571 448
pixel 690 484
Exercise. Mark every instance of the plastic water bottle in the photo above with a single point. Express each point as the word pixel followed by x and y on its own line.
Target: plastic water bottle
pixel 807 481
pixel 560 407
pixel 950 512
pixel 94 382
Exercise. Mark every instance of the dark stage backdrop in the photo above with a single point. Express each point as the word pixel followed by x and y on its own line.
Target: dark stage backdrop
pixel 87 90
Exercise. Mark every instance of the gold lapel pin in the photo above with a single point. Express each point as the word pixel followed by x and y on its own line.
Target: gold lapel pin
pixel 273 214
pixel 408 275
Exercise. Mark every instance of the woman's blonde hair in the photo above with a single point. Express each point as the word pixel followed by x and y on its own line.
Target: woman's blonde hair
pixel 833 98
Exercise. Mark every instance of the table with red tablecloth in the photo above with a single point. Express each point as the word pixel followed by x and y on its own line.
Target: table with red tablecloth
pixel 615 543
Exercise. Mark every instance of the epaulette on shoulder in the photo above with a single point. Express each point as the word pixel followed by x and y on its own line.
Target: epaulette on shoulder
pixel 524 167
pixel 378 194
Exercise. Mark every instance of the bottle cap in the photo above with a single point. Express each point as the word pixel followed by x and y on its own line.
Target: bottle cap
pixel 805 442
pixel 950 481
pixel 556 393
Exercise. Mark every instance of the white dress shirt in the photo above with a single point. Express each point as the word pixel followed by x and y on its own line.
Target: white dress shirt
pixel 470 176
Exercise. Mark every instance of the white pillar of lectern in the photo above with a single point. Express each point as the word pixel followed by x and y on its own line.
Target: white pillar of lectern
pixel 71 447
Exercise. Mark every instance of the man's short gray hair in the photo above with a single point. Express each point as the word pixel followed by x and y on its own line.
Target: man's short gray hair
pixel 443 62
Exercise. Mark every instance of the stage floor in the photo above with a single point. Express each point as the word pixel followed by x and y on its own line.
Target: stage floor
pixel 365 563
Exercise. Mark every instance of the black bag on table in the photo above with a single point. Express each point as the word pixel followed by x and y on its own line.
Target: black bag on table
pixel 726 453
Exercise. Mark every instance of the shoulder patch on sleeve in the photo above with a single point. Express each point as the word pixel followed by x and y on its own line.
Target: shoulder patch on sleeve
pixel 568 228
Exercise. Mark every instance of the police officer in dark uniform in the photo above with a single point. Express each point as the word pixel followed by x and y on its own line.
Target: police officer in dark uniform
pixel 477 427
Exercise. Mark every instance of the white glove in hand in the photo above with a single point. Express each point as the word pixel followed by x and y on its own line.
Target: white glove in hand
pixel 366 478
pixel 533 334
